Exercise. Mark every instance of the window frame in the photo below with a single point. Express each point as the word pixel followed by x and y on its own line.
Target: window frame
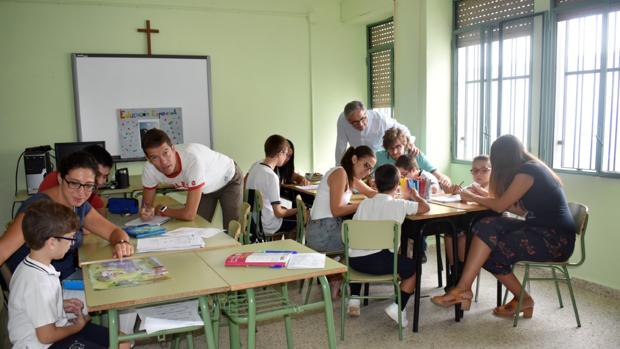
pixel 486 40
pixel 579 10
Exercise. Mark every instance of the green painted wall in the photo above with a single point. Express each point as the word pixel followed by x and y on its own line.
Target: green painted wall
pixel 277 67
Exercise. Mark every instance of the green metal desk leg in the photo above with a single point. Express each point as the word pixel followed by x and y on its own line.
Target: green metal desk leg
pixel 287 319
pixel 113 328
pixel 251 318
pixel 234 335
pixel 329 312
pixel 206 318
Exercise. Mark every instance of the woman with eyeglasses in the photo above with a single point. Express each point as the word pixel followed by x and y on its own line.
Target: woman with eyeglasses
pixel 396 143
pixel 286 172
pixel 522 184
pixel 332 200
pixel 76 177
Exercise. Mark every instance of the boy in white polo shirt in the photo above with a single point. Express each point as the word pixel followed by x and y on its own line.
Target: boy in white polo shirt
pixel 384 206
pixel 37 313
pixel 208 177
pixel 261 177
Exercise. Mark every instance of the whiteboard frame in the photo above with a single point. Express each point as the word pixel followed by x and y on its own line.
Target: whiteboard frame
pixel 76 95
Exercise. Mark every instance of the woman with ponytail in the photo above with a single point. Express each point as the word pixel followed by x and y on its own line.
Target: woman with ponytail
pixel 333 195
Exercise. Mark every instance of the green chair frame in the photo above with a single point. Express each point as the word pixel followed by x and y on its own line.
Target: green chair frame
pixel 370 235
pixel 580 214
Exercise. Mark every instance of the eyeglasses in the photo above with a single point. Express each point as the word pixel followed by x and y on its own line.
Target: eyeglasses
pixel 77 185
pixel 368 166
pixel 480 170
pixel 73 240
pixel 359 121
pixel 396 147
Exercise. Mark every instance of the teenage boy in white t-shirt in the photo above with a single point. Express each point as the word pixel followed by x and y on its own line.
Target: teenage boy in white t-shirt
pixel 274 216
pixel 208 177
pixel 37 313
pixel 384 206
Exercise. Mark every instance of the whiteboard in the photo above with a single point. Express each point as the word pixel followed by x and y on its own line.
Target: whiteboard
pixel 105 83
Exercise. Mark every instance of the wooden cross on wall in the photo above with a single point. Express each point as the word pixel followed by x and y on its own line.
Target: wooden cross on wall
pixel 148 32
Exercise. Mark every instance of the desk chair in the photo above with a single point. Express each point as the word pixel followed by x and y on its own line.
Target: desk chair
pixel 370 235
pixel 234 231
pixel 245 216
pixel 255 199
pixel 580 215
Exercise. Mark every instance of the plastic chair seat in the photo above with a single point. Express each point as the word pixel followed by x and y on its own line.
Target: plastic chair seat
pixel 359 277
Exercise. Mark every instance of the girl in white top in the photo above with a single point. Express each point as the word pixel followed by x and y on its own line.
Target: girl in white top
pixel 332 199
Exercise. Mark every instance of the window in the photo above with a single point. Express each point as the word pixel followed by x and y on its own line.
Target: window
pixel 380 62
pixel 587 85
pixel 497 55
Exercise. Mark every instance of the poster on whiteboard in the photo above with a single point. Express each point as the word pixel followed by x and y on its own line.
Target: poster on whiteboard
pixel 135 122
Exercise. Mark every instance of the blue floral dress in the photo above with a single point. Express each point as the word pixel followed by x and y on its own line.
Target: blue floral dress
pixel 546 235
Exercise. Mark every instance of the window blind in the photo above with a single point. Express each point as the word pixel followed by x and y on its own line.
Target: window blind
pixel 380 60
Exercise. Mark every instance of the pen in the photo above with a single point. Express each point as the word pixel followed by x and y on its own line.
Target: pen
pixel 280 251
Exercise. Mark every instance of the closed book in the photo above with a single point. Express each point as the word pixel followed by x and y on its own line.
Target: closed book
pixel 74 281
pixel 257 259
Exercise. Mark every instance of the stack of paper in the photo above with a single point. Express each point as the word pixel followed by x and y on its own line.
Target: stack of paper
pixel 155 220
pixel 306 261
pixel 170 243
pixel 204 233
pixel 169 316
pixel 446 198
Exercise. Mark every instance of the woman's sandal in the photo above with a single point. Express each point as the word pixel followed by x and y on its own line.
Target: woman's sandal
pixel 454 296
pixel 508 309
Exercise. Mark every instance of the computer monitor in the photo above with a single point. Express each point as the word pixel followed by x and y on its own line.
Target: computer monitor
pixel 66 148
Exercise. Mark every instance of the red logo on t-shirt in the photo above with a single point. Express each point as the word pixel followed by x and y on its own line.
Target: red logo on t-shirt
pixel 193 183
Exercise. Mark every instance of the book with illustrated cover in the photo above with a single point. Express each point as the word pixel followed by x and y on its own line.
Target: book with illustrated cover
pixel 258 259
pixel 126 272
pixel 144 230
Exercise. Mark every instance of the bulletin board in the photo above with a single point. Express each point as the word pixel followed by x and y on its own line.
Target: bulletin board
pixel 117 97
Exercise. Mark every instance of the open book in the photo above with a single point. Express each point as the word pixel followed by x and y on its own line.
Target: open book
pixel 258 259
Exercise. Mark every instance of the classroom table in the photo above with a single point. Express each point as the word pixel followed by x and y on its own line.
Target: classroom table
pixel 414 227
pixel 290 191
pixel 249 278
pixel 190 278
pixel 96 249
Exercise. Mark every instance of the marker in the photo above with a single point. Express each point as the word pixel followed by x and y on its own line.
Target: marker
pixel 280 251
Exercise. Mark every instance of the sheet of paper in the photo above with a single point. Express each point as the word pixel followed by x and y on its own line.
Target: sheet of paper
pixel 155 220
pixel 79 294
pixel 446 198
pixel 126 318
pixel 169 316
pixel 306 261
pixel 170 243
pixel 204 233
pixel 308 187
pixel 286 203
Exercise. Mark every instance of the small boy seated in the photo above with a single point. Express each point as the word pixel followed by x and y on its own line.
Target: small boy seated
pixel 262 177
pixel 384 206
pixel 37 312
pixel 408 167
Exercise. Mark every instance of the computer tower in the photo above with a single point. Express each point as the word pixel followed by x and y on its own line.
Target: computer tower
pixel 38 165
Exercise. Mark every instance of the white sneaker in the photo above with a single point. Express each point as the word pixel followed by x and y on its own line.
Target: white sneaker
pixel 392 312
pixel 353 307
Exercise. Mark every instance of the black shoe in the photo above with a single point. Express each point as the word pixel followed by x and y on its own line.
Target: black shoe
pixel 424 257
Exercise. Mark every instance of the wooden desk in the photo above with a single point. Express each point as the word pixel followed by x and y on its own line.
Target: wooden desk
pixel 95 249
pixel 248 278
pixel 414 227
pixel 190 278
pixel 466 206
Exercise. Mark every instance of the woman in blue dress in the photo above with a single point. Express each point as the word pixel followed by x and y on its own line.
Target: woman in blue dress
pixel 76 179
pixel 524 185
